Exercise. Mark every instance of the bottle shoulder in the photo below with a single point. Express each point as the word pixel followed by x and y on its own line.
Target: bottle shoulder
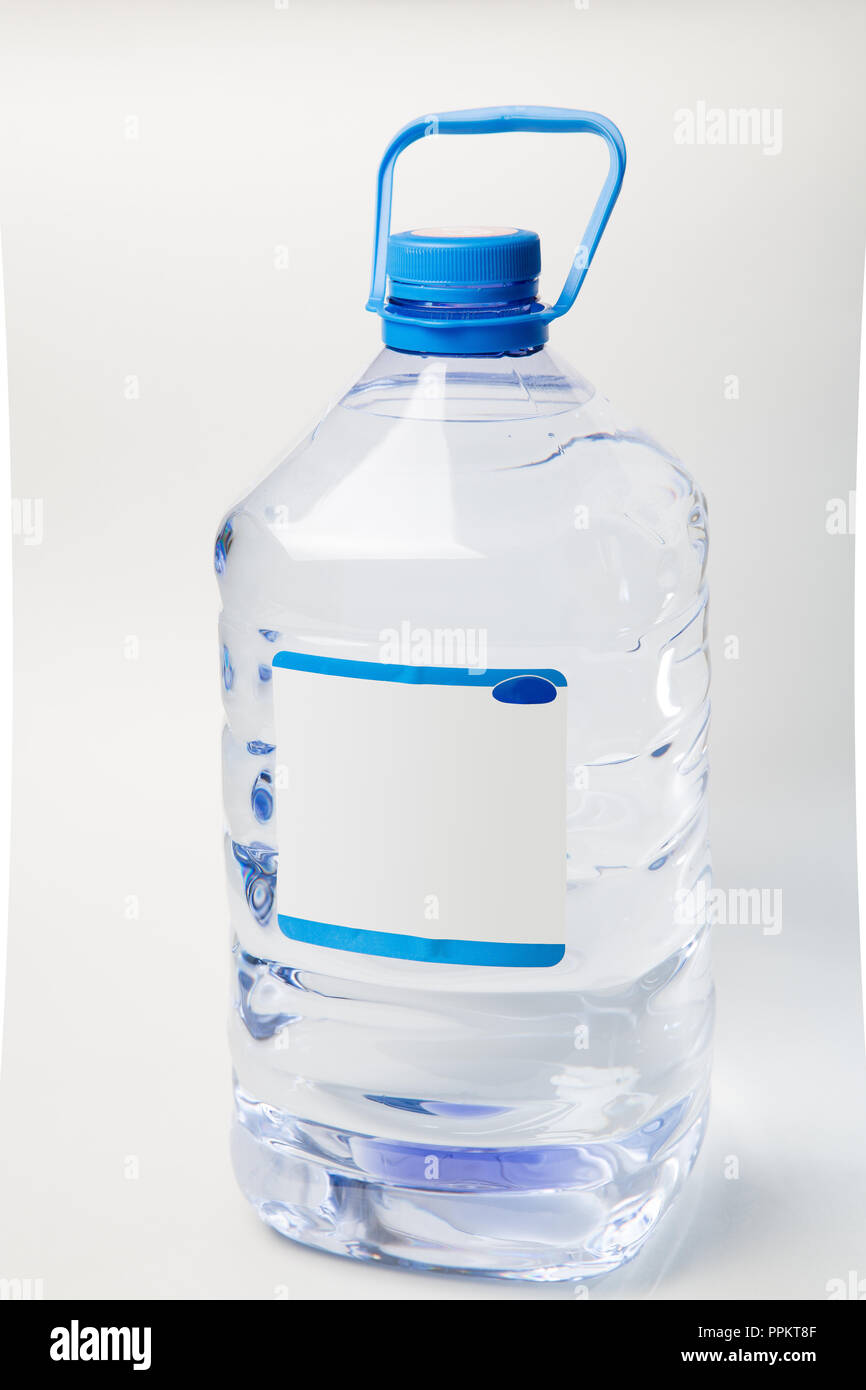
pixel 520 465
pixel 380 475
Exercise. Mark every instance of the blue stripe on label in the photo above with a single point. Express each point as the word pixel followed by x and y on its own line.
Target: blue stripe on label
pixel 413 675
pixel 423 948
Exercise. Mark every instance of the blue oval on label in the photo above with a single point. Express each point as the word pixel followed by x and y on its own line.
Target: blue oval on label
pixel 525 690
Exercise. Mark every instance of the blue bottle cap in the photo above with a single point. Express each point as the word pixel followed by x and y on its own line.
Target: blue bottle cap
pixel 483 278
pixel 464 265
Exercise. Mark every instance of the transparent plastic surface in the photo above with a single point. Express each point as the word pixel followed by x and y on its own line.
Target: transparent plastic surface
pixel 531 1123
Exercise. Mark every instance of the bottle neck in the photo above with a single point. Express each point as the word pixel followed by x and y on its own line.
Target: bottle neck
pixel 467 387
pixel 494 328
pixel 443 344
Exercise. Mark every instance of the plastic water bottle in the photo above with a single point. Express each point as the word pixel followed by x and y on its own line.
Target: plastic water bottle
pixel 465 679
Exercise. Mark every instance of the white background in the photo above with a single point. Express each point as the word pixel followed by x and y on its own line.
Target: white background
pixel 160 164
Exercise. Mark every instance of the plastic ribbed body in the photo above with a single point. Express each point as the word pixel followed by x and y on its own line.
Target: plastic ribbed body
pixel 530 1123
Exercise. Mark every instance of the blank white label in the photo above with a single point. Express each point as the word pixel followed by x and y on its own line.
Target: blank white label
pixel 421 810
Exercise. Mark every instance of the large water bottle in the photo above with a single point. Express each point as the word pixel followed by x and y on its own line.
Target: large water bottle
pixel 465 679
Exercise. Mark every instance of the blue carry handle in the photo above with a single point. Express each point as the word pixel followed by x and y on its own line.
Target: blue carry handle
pixel 488 121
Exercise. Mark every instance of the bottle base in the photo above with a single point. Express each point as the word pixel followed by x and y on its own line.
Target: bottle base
pixel 542 1234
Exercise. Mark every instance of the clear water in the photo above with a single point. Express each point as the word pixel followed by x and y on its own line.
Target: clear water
pixel 526 1123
